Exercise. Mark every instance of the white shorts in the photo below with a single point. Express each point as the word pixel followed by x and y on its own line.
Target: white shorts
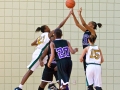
pixel 93 74
pixel 35 60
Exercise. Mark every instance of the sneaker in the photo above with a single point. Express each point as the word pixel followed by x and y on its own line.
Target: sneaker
pixel 17 88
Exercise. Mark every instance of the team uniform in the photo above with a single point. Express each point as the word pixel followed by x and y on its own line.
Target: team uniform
pixel 93 70
pixel 43 43
pixel 64 62
pixel 85 43
pixel 49 71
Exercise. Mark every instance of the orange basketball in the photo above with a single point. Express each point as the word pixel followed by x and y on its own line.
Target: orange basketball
pixel 70 3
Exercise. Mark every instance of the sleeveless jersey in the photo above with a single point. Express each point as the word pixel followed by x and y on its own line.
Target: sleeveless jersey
pixel 86 35
pixel 43 40
pixel 93 55
pixel 61 50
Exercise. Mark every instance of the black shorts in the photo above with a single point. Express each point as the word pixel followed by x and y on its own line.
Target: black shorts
pixel 48 73
pixel 64 68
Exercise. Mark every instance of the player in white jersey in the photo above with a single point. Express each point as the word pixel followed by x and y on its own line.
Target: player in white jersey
pixel 94 58
pixel 41 43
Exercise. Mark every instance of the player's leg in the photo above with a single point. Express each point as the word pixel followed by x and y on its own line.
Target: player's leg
pixel 47 77
pixel 56 77
pixel 90 77
pixel 27 75
pixel 69 69
pixel 97 78
pixel 64 70
pixel 42 85
pixel 32 66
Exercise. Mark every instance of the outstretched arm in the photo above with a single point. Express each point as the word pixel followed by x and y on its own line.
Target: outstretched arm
pixel 84 23
pixel 61 24
pixel 52 53
pixel 77 23
pixel 73 51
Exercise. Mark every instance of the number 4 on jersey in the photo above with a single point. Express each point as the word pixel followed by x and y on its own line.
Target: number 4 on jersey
pixel 95 54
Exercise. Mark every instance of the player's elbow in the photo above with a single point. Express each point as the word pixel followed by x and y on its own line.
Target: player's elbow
pixel 34 44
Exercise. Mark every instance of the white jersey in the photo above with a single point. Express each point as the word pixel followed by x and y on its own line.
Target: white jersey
pixel 43 40
pixel 93 55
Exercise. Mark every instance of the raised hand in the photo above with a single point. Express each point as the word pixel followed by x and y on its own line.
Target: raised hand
pixel 80 10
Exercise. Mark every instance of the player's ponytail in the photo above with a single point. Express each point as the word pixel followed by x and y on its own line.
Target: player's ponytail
pixel 96 24
pixel 38 29
pixel 92 38
pixel 42 29
pixel 99 25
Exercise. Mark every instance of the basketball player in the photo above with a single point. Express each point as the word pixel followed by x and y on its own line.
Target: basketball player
pixel 47 76
pixel 94 58
pixel 60 50
pixel 88 29
pixel 41 44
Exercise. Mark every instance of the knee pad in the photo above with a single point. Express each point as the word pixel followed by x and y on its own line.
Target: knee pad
pixel 98 88
pixel 90 87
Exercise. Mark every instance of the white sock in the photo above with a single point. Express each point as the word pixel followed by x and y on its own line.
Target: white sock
pixel 20 86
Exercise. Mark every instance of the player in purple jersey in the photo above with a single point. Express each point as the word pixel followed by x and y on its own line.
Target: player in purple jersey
pixel 88 29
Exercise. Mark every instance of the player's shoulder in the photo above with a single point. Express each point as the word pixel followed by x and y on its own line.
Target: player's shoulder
pixel 87 48
pixel 45 33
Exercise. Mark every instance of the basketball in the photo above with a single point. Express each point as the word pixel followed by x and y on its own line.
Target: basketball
pixel 70 3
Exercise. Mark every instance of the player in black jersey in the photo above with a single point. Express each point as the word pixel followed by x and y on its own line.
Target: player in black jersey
pixel 88 29
pixel 60 50
pixel 47 76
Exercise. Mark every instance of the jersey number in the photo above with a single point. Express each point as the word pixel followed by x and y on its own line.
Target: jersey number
pixel 63 52
pixel 40 40
pixel 95 54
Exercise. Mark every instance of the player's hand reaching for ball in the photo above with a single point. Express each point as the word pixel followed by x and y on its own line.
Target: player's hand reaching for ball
pixel 71 11
pixel 79 11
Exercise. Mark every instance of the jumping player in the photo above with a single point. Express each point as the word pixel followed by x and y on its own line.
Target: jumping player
pixel 48 71
pixel 88 29
pixel 94 58
pixel 60 50
pixel 41 44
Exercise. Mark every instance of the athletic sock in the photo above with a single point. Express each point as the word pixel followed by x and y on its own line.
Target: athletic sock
pixel 20 86
pixel 39 88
